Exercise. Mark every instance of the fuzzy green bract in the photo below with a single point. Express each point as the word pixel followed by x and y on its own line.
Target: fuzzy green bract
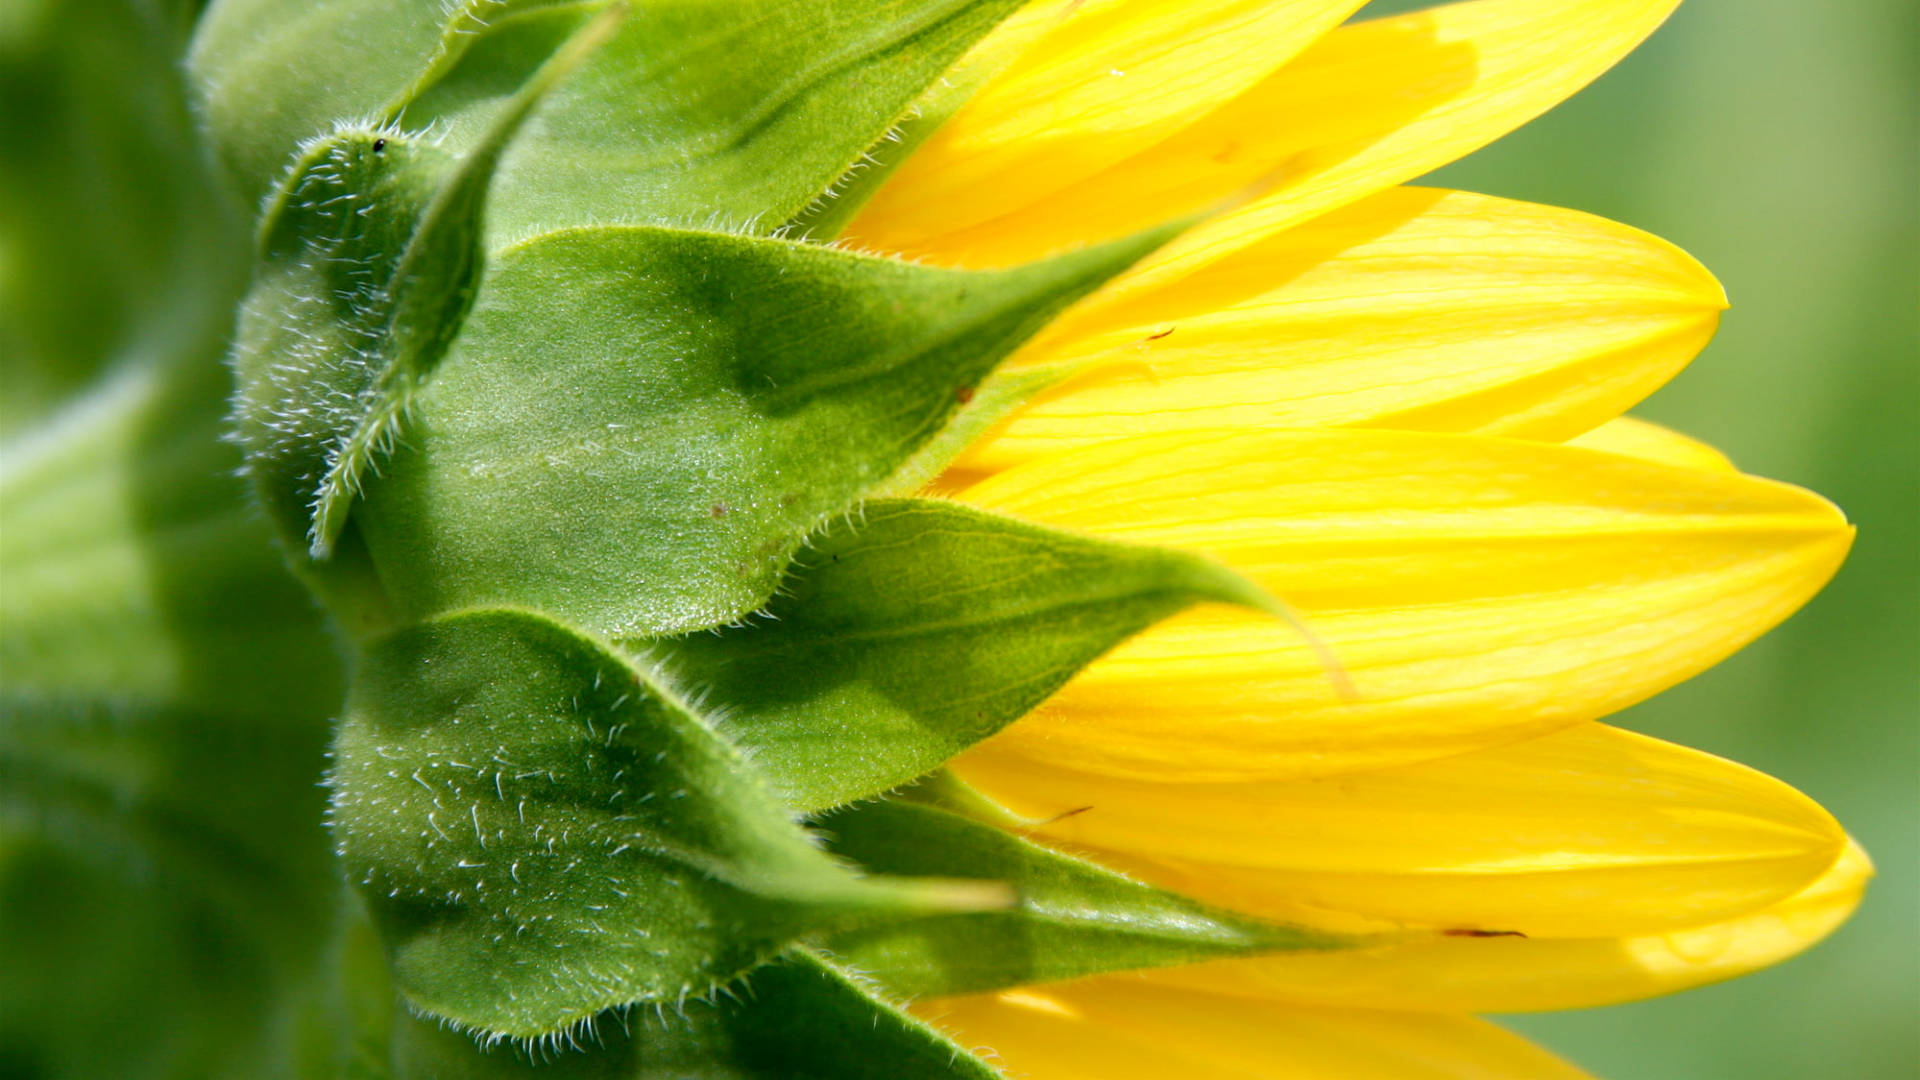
pixel 903 638
pixel 797 1022
pixel 164 685
pixel 738 115
pixel 320 353
pixel 637 660
pixel 509 791
pixel 638 426
pixel 370 257
pixel 1072 918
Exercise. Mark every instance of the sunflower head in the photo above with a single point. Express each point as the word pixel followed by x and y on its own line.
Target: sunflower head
pixel 1006 507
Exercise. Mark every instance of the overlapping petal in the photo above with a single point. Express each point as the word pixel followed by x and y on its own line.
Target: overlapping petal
pixel 1118 1029
pixel 1110 79
pixel 1368 106
pixel 1516 975
pixel 1588 832
pixel 1476 591
pixel 1414 309
pixel 1480 594
pixel 1633 437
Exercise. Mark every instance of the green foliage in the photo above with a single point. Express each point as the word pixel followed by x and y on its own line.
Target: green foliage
pixel 797 1018
pixel 735 115
pixel 1073 918
pixel 114 247
pixel 163 877
pixel 533 381
pixel 322 359
pixel 167 685
pixel 637 426
pixel 902 639
pixel 544 833
pixel 269 75
pixel 370 256
pixel 145 576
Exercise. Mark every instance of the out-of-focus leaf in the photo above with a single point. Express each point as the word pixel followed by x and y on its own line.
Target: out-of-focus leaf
pixel 162 876
pixel 798 1018
pixel 638 426
pixel 543 833
pixel 1073 918
pixel 133 568
pixel 163 873
pixel 899 641
pixel 115 246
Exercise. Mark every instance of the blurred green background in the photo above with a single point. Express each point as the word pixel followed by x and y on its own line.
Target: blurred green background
pixel 1777 141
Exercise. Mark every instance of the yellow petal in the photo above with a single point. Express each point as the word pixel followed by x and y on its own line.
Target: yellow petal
pixel 1369 106
pixel 1113 78
pixel 1587 832
pixel 1515 975
pixel 1413 309
pixel 1116 1029
pixel 1637 438
pixel 1475 590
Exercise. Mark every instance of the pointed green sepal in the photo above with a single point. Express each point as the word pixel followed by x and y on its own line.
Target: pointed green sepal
pixel 370 256
pixel 638 426
pixel 1074 917
pixel 800 1017
pixel 271 75
pixel 737 115
pixel 906 636
pixel 671 125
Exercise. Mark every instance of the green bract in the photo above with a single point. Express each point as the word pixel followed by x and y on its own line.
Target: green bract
pixel 598 463
pixel 508 791
pixel 637 426
pixel 1073 918
pixel 802 1019
pixel 905 637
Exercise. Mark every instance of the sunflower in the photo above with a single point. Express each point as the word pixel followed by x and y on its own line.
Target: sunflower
pixel 1399 409
pixel 859 532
